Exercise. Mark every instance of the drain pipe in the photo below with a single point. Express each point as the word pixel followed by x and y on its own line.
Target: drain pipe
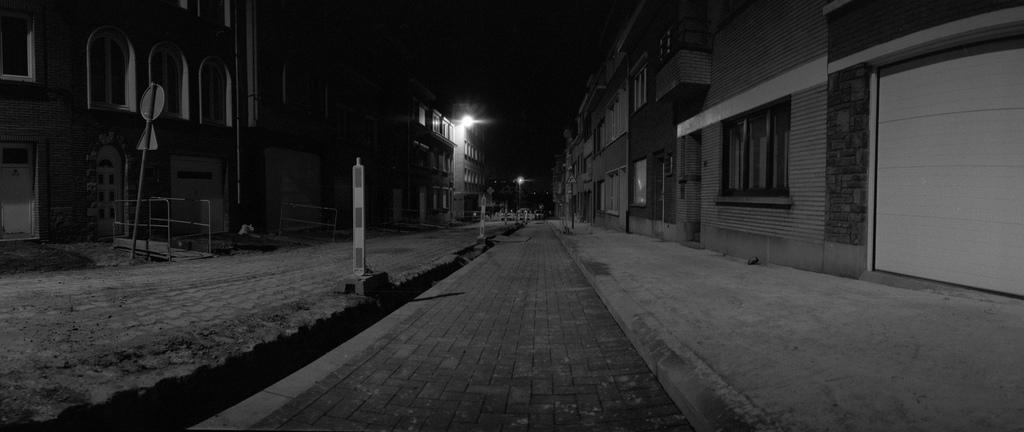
pixel 238 116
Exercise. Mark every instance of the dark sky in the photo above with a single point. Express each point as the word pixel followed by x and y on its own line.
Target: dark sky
pixel 523 63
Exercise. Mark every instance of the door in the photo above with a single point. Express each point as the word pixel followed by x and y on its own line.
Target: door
pixel 950 169
pixel 396 205
pixel 423 204
pixel 197 178
pixel 108 189
pixel 16 190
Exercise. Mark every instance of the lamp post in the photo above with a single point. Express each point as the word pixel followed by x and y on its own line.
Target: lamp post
pixel 519 199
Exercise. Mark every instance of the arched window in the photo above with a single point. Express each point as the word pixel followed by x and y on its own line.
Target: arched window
pixel 111 69
pixel 214 90
pixel 168 68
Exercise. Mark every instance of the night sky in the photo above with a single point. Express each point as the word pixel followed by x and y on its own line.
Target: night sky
pixel 522 63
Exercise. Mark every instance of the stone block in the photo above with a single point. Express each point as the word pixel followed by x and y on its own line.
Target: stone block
pixel 365 284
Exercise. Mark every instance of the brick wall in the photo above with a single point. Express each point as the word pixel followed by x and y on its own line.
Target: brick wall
pixel 864 24
pixel 847 156
pixel 764 40
pixel 652 134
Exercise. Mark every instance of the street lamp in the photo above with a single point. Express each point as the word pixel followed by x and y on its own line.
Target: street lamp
pixel 519 203
pixel 467 121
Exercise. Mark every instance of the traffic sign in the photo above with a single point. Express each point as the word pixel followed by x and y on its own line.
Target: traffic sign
pixel 148 140
pixel 152 103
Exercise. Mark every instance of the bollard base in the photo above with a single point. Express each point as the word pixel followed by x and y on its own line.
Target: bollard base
pixel 364 284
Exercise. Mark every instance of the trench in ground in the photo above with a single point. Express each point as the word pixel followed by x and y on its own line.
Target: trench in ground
pixel 181 402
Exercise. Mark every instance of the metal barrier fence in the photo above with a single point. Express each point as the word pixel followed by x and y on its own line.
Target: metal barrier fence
pixel 300 217
pixel 172 223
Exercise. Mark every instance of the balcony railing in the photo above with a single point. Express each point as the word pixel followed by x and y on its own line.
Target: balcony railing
pixel 689 33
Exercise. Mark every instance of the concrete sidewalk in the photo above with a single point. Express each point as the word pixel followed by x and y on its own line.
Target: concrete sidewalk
pixel 762 347
pixel 516 340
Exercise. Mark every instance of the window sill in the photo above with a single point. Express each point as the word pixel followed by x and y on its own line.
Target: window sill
pixel 108 107
pixel 18 79
pixel 748 201
pixel 638 205
pixel 611 212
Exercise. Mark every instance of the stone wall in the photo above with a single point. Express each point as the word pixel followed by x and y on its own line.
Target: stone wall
pixel 847 156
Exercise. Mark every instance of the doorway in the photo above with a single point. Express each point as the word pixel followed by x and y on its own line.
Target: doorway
pixel 17 198
pixel 108 189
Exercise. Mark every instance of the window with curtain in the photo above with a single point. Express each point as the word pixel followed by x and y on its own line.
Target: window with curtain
pixel 756 153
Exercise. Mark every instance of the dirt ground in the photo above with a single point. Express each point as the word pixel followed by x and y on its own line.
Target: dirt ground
pixel 55 361
pixel 82 323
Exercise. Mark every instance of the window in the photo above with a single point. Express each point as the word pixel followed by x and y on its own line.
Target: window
pixel 16 56
pixel 217 11
pixel 600 195
pixel 111 66
pixel 423 115
pixel 665 45
pixel 214 83
pixel 167 67
pixel 757 153
pixel 640 88
pixel 640 182
pixel 613 191
pixel 616 120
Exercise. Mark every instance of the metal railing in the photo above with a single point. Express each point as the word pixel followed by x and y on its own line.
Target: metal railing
pixel 167 226
pixel 302 217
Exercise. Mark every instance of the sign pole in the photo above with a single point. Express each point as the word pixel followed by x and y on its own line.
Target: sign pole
pixel 483 213
pixel 151 106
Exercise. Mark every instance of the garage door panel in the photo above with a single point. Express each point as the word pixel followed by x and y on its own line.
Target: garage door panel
pixel 976 199
pixel 975 138
pixel 981 253
pixel 959 85
pixel 950 170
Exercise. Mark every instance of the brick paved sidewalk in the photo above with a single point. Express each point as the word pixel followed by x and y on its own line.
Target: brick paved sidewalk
pixel 517 340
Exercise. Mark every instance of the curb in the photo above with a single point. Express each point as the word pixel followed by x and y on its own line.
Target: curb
pixel 705 399
pixel 246 414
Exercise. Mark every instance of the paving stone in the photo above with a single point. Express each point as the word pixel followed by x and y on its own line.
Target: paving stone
pixel 526 345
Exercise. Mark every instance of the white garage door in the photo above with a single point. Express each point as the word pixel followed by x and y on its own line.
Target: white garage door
pixel 950 179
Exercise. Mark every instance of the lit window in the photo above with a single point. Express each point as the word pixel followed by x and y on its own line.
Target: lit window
pixel 756 149
pixel 167 67
pixel 640 182
pixel 16 47
pixel 640 88
pixel 214 83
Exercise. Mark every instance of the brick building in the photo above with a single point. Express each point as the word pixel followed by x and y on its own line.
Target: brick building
pixel 924 160
pixel 859 138
pixel 469 164
pixel 264 113
pixel 71 121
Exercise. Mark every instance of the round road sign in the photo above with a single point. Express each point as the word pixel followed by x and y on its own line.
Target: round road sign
pixel 152 103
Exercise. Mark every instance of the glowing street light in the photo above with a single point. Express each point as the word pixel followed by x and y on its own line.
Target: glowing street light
pixel 467 121
pixel 519 204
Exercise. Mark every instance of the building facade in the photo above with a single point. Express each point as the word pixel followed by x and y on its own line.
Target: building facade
pixel 73 73
pixel 852 137
pixel 264 114
pixel 923 158
pixel 469 165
